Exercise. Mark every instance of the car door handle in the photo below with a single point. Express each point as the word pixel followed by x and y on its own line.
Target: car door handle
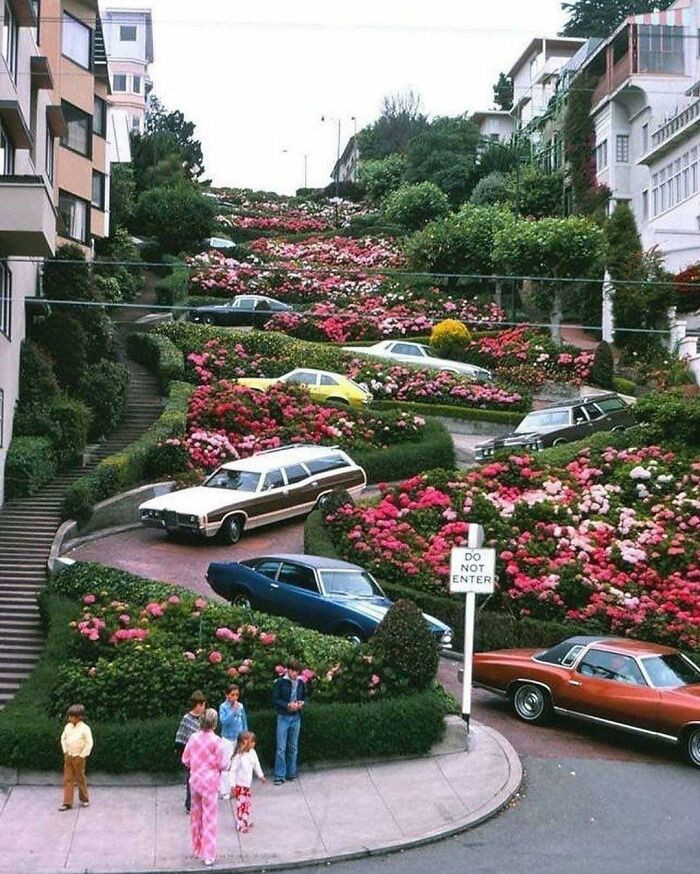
pixel 574 683
pixel 276 586
pixel 314 483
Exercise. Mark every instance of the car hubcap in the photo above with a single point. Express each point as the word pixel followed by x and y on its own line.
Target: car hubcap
pixel 529 702
pixel 694 748
pixel 242 601
pixel 353 638
pixel 234 532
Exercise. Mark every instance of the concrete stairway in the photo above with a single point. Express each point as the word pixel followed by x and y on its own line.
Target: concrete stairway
pixel 27 529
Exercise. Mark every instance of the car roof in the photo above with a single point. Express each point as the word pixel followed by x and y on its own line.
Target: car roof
pixel 619 644
pixel 264 461
pixel 315 370
pixel 318 562
pixel 573 401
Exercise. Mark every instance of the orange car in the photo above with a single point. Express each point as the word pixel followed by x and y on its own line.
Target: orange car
pixel 625 684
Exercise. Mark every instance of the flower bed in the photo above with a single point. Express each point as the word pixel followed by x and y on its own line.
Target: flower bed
pixel 611 540
pixel 364 253
pixel 398 383
pixel 227 421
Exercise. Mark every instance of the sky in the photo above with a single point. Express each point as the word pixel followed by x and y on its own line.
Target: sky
pixel 257 77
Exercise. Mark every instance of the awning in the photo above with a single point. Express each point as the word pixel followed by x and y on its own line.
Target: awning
pixel 679 16
pixel 56 119
pixel 25 12
pixel 41 73
pixel 13 122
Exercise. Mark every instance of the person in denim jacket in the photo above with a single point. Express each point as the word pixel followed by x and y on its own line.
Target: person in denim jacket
pixel 289 696
pixel 233 720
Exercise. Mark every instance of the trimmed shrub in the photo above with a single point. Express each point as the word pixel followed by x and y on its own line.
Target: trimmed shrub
pixel 390 463
pixel 159 354
pixel 64 339
pixel 413 206
pixel 67 281
pixel 31 463
pixel 177 217
pixel 504 417
pixel 72 419
pixel 449 337
pixel 671 417
pixel 104 387
pixel 173 289
pixel 603 367
pixel 492 189
pixel 624 386
pixel 406 644
pixel 37 381
pixel 99 333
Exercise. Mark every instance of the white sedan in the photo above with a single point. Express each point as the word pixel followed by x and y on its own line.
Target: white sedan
pixel 420 355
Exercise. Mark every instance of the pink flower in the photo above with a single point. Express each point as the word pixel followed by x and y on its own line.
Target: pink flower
pixel 89 599
pixel 200 603
pixel 215 657
pixel 190 656
pixel 280 670
pixel 267 638
pixel 173 599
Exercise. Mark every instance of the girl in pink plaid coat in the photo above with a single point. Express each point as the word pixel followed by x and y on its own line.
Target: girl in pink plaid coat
pixel 206 757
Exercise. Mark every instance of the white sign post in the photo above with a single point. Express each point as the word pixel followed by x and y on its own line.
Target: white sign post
pixel 472 571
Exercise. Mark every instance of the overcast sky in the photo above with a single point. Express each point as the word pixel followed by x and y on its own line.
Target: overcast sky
pixel 256 77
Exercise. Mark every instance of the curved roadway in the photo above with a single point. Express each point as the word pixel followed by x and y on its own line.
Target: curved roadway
pixel 592 800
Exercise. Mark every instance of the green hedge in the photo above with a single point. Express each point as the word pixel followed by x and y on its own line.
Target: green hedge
pixel 31 463
pixel 560 456
pixel 126 469
pixel 30 740
pixel 173 289
pixel 624 386
pixel 476 415
pixel 159 354
pixel 104 388
pixel 493 630
pixel 402 460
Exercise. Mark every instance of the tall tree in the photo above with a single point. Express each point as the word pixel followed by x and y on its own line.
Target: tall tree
pixel 400 120
pixel 601 17
pixel 503 92
pixel 446 154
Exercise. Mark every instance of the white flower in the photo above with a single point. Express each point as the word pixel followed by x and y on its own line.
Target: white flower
pixel 640 472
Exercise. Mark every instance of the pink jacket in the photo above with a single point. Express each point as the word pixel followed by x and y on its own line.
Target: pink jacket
pixel 206 757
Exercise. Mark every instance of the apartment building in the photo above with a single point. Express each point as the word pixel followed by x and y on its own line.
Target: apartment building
pixel 646 109
pixel 129 40
pixel 495 125
pixel 345 168
pixel 54 173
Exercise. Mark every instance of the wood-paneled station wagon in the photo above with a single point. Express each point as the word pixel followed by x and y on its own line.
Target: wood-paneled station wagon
pixel 267 487
pixel 624 684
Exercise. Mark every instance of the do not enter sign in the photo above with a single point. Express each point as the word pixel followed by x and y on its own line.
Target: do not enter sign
pixel 472 570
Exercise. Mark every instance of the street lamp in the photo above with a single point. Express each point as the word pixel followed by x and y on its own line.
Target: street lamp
pixel 305 156
pixel 336 172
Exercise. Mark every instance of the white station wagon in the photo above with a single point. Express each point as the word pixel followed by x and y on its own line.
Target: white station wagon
pixel 267 487
pixel 405 352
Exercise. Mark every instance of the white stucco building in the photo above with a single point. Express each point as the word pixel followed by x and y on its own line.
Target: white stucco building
pixel 128 37
pixel 496 125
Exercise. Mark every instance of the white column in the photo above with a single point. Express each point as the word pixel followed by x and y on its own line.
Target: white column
pixel 607 317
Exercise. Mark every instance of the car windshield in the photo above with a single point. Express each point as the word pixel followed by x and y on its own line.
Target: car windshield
pixel 354 584
pixel 237 480
pixel 672 670
pixel 543 420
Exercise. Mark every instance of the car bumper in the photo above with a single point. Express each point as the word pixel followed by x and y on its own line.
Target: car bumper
pixel 486 452
pixel 178 522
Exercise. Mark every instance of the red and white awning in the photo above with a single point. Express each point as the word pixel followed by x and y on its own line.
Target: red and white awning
pixel 679 16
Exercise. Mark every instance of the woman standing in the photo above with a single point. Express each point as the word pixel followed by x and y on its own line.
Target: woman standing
pixel 206 758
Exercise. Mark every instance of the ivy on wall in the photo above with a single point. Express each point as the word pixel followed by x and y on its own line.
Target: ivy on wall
pixel 589 198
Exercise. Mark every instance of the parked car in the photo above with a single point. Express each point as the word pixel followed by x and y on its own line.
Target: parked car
pixel 416 353
pixel 322 593
pixel 322 385
pixel 563 423
pixel 267 487
pixel 245 310
pixel 624 684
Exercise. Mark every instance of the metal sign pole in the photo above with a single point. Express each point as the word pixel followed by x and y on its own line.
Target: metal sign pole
pixel 475 539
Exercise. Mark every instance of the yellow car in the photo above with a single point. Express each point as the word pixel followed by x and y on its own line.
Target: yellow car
pixel 322 385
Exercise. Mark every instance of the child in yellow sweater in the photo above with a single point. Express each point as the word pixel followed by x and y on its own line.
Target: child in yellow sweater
pixel 76 743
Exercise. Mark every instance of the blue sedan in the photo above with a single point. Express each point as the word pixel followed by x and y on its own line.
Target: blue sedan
pixel 332 596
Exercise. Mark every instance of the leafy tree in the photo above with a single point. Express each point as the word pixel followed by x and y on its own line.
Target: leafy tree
pixel 539 194
pixel 177 218
pixel 446 154
pixel 175 125
pixel 379 177
pixel 67 275
pixel 406 646
pixel 561 248
pixel 503 92
pixel 491 190
pixel 401 119
pixel 603 367
pixel 122 198
pixel 601 17
pixel 64 339
pixel 413 206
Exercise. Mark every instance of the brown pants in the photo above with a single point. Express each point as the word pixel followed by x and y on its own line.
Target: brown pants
pixel 74 774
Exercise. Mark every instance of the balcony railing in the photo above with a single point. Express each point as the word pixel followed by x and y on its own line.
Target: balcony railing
pixel 677 123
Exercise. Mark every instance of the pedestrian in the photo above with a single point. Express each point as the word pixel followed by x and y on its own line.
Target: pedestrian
pixel 232 720
pixel 76 743
pixel 245 763
pixel 289 695
pixel 187 727
pixel 206 758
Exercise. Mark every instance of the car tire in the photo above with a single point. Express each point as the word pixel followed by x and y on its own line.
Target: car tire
pixel 232 529
pixel 691 746
pixel 351 634
pixel 323 502
pixel 344 402
pixel 243 601
pixel 531 703
pixel 559 442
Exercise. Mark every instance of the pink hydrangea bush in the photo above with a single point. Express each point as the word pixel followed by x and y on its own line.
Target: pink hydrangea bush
pixel 612 539
pixel 365 253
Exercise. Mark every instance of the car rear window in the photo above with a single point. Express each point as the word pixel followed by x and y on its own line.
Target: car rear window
pixel 543 419
pixel 610 404
pixel 564 654
pixel 328 462
pixel 295 473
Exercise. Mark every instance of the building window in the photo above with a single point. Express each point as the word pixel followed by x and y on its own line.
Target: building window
pixel 675 182
pixel 78 135
pixel 645 138
pixel 661 49
pixel 98 189
pixel 50 147
pixel 10 40
pixel 119 82
pixel 99 117
pixel 136 124
pixel 2 416
pixel 73 217
pixel 127 33
pixel 7 154
pixel 136 88
pixel 622 149
pixel 601 156
pixel 645 205
pixel 5 300
pixel 77 41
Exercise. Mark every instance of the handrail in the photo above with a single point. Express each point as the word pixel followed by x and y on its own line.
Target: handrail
pixel 673 125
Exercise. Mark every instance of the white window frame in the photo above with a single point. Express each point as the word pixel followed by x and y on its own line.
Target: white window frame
pixel 10 40
pixel 7 150
pixel 73 27
pixel 68 232
pixel 134 80
pixel 622 148
pixel 50 162
pixel 129 27
pixel 601 156
pixel 101 203
pixel 114 83
pixel 5 301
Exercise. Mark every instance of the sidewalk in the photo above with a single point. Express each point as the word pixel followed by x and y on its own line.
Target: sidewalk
pixel 325 815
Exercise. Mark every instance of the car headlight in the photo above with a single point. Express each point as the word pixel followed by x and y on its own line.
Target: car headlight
pixel 150 514
pixel 446 638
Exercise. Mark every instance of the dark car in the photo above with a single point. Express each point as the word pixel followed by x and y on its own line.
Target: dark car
pixel 244 310
pixel 563 423
pixel 332 596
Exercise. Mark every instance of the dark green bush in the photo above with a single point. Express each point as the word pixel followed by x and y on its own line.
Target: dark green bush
pixel 64 339
pixel 177 217
pixel 159 354
pixel 505 417
pixel 624 386
pixel 72 419
pixel 99 333
pixel 31 463
pixel 104 387
pixel 560 456
pixel 37 381
pixel 603 367
pixel 67 275
pixel 413 206
pixel 434 449
pixel 406 645
pixel 173 289
pixel 671 417
pixel 165 460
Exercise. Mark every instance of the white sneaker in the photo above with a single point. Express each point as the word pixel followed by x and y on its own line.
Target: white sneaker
pixel 208 862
